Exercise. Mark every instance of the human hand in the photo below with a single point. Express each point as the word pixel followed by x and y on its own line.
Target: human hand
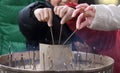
pixel 44 15
pixel 64 12
pixel 86 16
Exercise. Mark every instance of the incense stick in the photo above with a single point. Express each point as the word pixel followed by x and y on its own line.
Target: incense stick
pixel 70 37
pixel 52 35
pixel 60 34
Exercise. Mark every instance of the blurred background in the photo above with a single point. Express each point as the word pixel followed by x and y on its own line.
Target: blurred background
pixel 116 2
pixel 10 36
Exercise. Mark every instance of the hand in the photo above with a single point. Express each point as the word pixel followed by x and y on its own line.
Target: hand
pixel 44 15
pixel 86 16
pixel 64 12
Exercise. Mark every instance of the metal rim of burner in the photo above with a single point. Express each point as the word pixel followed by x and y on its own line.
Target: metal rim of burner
pixel 13 69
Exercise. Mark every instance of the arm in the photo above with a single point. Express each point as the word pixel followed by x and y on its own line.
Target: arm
pixel 106 18
pixel 29 25
pixel 98 17
pixel 36 30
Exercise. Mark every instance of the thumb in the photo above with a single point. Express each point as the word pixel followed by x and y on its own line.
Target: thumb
pixel 50 19
pixel 64 19
pixel 79 20
pixel 75 12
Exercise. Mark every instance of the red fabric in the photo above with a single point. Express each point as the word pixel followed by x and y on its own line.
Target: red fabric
pixel 70 4
pixel 106 42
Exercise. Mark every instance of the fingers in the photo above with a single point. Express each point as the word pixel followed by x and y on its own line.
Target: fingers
pixel 75 12
pixel 80 9
pixel 67 16
pixel 91 8
pixel 84 19
pixel 50 18
pixel 86 15
pixel 44 15
pixel 90 11
pixel 37 15
pixel 79 20
pixel 60 10
pixel 57 10
pixel 84 5
pixel 64 19
pixel 64 12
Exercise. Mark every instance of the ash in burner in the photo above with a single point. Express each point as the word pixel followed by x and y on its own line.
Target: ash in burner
pixel 79 62
pixel 29 61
